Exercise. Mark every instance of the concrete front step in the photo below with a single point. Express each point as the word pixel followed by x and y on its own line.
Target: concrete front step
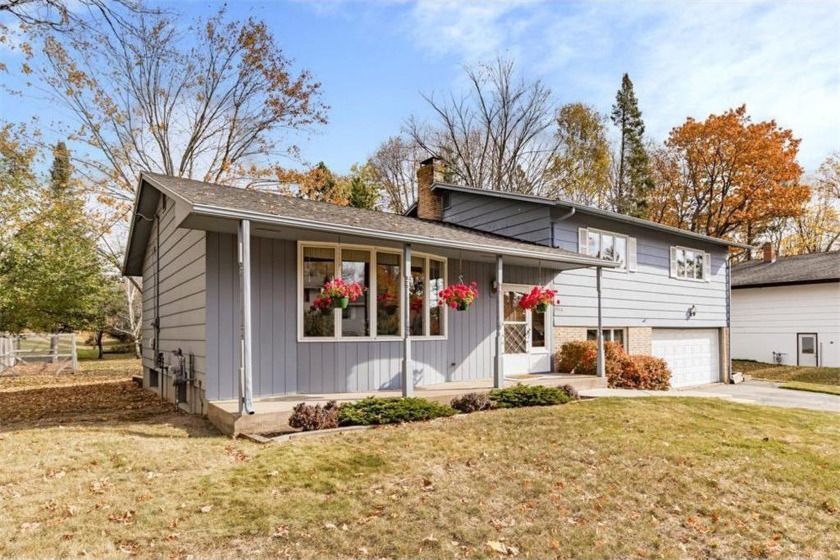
pixel 272 414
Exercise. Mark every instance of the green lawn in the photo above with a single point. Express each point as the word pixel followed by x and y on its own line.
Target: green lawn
pixel 817 380
pixel 108 470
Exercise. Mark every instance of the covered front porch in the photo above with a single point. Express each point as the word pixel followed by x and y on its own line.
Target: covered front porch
pixel 273 275
pixel 271 414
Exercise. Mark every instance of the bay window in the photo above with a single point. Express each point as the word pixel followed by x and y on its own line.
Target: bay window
pixel 378 312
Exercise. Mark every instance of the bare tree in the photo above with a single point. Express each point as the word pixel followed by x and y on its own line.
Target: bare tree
pixel 217 100
pixel 214 101
pixel 63 16
pixel 497 135
pixel 393 170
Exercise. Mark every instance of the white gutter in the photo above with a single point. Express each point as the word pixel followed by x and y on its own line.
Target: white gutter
pixel 217 212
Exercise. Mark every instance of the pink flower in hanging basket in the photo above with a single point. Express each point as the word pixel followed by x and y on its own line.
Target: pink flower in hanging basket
pixel 539 298
pixel 458 296
pixel 338 288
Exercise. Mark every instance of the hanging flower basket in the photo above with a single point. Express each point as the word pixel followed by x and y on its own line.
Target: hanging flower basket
pixel 458 296
pixel 538 298
pixel 341 293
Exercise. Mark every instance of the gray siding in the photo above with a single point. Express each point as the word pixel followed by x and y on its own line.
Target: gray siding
pixel 182 297
pixel 283 365
pixel 520 220
pixel 648 297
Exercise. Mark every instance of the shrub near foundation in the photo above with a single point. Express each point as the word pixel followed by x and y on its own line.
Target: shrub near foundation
pixel 307 418
pixel 377 410
pixel 472 402
pixel 528 395
pixel 623 371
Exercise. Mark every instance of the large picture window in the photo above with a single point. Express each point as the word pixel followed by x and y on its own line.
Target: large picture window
pixel 378 312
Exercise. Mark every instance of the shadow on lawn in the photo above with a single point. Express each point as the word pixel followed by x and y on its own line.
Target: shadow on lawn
pixel 113 404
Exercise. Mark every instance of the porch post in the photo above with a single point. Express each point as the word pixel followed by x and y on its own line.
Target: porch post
pixel 245 372
pixel 407 373
pixel 600 360
pixel 499 365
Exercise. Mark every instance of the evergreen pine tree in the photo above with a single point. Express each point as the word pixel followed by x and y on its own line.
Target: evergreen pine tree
pixel 362 194
pixel 633 180
pixel 61 170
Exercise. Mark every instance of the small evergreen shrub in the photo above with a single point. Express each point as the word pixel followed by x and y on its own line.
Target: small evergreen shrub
pixel 472 402
pixel 570 391
pixel 643 372
pixel 377 410
pixel 528 395
pixel 307 418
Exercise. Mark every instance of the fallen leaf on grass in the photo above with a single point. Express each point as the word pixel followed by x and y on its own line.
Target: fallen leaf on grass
pixel 205 509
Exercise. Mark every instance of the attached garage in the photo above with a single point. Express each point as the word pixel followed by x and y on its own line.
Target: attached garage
pixel 692 354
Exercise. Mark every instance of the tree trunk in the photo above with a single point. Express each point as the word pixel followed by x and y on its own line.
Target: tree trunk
pixel 99 334
pixel 54 348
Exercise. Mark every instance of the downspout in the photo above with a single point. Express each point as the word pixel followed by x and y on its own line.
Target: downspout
pixel 564 217
pixel 246 404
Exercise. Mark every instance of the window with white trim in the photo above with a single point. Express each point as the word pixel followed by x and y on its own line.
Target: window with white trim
pixel 690 264
pixel 610 335
pixel 377 313
pixel 609 246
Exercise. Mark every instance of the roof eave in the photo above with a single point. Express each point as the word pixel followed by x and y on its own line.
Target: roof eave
pixel 785 283
pixel 273 219
pixel 533 199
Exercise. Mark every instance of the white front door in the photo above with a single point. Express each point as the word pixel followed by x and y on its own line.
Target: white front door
pixel 806 344
pixel 525 335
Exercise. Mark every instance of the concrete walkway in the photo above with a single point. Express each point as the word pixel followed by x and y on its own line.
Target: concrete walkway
pixel 753 392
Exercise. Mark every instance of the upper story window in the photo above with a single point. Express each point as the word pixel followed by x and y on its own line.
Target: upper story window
pixel 377 313
pixel 609 246
pixel 690 264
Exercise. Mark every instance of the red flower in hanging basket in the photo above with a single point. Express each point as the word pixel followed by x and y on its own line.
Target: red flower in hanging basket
pixel 538 298
pixel 321 304
pixel 416 303
pixel 340 293
pixel 458 296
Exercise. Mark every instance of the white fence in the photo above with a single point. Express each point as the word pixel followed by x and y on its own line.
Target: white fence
pixel 38 353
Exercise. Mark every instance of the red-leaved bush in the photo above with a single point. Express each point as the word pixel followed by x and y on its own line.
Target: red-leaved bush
pixel 623 370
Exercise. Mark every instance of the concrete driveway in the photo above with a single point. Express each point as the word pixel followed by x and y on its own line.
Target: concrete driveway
pixel 768 393
pixel 756 392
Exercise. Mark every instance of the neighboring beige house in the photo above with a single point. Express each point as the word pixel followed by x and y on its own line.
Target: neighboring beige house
pixel 787 309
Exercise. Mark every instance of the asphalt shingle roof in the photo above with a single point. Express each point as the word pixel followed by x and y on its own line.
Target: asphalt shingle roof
pixel 199 193
pixel 798 269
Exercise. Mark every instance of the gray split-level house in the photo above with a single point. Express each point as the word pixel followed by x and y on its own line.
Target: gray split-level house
pixel 230 275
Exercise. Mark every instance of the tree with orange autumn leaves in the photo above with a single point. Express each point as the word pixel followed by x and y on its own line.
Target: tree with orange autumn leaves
pixel 727 176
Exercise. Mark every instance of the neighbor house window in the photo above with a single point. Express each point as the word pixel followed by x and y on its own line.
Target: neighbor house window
pixel 690 264
pixel 378 312
pixel 606 245
pixel 610 335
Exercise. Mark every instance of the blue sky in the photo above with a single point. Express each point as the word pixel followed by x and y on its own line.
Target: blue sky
pixel 685 58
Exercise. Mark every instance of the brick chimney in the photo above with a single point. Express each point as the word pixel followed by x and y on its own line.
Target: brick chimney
pixel 429 204
pixel 769 253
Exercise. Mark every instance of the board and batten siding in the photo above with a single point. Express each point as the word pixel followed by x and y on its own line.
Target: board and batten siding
pixel 648 297
pixel 182 298
pixel 282 365
pixel 520 220
pixel 767 320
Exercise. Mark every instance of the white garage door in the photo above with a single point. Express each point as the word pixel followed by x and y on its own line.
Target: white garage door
pixel 692 355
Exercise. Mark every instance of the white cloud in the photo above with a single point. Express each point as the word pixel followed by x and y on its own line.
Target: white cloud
pixel 686 59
